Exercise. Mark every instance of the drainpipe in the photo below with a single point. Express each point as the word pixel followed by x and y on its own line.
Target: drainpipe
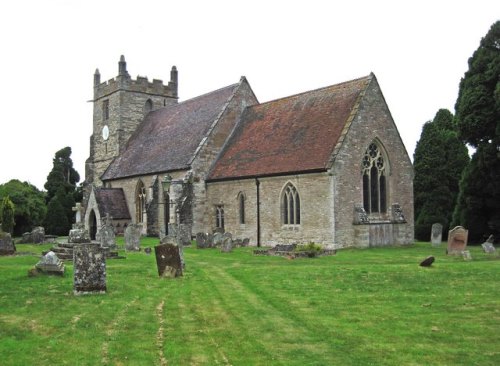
pixel 257 183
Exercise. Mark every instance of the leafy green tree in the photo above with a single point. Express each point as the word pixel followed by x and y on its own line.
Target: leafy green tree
pixel 439 160
pixel 61 187
pixel 29 202
pixel 478 120
pixel 7 215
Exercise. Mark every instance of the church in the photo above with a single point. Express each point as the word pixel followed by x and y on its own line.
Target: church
pixel 326 166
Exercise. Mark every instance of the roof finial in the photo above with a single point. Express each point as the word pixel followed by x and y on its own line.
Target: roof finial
pixel 122 66
pixel 97 77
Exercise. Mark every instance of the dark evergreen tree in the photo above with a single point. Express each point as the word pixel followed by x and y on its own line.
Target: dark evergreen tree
pixel 478 120
pixel 7 215
pixel 56 221
pixel 439 159
pixel 29 202
pixel 61 187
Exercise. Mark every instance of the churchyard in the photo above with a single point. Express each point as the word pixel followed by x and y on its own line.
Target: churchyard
pixel 357 307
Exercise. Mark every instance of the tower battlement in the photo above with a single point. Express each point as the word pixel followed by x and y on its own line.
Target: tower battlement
pixel 123 82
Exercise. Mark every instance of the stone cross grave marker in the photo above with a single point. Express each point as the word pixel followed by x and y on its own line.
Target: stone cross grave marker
pixel 89 264
pixel 168 260
pixel 457 240
pixel 78 209
pixel 436 234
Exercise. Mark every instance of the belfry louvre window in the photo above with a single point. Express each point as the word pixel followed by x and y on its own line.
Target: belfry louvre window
pixel 290 205
pixel 374 180
pixel 105 110
pixel 219 217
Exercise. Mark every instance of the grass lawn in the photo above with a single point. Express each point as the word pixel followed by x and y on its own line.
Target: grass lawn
pixel 360 307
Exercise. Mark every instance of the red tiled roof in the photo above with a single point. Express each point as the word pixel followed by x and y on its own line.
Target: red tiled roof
pixel 167 139
pixel 289 135
pixel 112 201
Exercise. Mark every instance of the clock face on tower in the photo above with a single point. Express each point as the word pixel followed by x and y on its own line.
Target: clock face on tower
pixel 105 132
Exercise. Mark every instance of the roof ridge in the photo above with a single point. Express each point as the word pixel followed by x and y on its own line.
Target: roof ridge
pixel 368 77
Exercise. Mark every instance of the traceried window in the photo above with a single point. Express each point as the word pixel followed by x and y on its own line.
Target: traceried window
pixel 290 205
pixel 105 110
pixel 140 202
pixel 374 180
pixel 241 202
pixel 219 216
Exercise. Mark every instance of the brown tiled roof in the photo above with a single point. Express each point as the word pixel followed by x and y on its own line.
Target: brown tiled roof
pixel 167 139
pixel 289 135
pixel 112 201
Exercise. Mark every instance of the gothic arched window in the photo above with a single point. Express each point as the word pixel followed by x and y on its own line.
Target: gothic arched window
pixel 290 205
pixel 219 216
pixel 241 203
pixel 140 202
pixel 374 180
pixel 148 107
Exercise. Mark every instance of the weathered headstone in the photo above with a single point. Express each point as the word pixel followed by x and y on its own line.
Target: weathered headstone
pixel 457 240
pixel 168 260
pixel 227 243
pixel 38 235
pixel 427 262
pixel 488 245
pixel 210 241
pixel 245 242
pixel 201 240
pixel 436 234
pixel 184 234
pixel 133 237
pixel 466 255
pixel 50 264
pixel 89 269
pixel 7 246
pixel 106 236
pixel 237 243
pixel 78 210
pixel 217 239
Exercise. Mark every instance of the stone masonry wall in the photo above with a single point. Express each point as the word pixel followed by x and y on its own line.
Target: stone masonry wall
pixel 372 122
pixel 315 200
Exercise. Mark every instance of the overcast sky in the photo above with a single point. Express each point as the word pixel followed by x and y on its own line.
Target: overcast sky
pixel 50 49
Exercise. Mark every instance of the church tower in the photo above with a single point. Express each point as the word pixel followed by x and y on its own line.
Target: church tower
pixel 120 105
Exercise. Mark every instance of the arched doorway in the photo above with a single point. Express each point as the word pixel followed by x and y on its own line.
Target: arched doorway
pixel 92 225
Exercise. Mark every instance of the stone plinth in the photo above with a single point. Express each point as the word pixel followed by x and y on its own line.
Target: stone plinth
pixel 89 269
pixel 50 264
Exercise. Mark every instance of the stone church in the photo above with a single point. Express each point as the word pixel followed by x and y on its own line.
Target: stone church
pixel 325 166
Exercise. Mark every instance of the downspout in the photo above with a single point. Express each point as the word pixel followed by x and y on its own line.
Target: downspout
pixel 257 183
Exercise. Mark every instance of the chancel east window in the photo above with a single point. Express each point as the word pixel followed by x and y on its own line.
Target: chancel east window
pixel 290 205
pixel 140 202
pixel 374 180
pixel 219 217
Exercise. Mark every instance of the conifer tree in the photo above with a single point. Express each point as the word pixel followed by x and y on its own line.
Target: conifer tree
pixel 478 120
pixel 7 215
pixel 439 160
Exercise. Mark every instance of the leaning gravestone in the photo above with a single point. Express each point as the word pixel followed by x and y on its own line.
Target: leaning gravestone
pixel 89 264
pixel 436 234
pixel 7 246
pixel 168 260
pixel 457 240
pixel 133 237
pixel 427 262
pixel 217 239
pixel 50 264
pixel 488 245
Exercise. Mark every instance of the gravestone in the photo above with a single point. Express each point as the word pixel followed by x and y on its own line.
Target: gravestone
pixel 217 239
pixel 78 210
pixel 466 255
pixel 7 246
pixel 201 240
pixel 50 264
pixel 245 242
pixel 427 262
pixel 436 234
pixel 168 260
pixel 133 237
pixel 106 235
pixel 227 243
pixel 457 240
pixel 38 235
pixel 237 243
pixel 89 264
pixel 184 234
pixel 210 241
pixel 488 245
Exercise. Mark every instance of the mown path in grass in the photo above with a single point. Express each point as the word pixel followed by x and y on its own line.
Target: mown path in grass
pixel 360 307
